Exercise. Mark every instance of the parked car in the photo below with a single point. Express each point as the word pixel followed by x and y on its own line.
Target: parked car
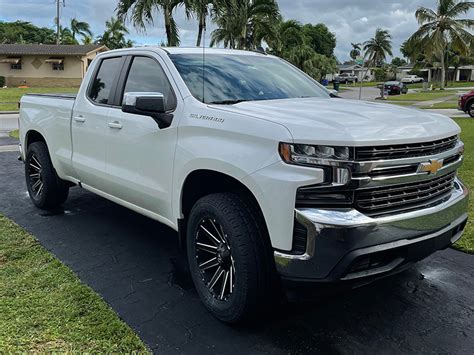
pixel 395 88
pixel 466 103
pixel 267 179
pixel 411 79
pixel 347 78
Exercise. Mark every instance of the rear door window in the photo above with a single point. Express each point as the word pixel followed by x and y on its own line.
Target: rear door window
pixel 103 81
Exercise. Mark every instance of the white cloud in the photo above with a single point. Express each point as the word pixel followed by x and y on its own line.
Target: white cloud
pixel 349 20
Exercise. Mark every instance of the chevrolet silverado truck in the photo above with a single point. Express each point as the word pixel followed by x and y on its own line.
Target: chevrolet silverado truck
pixel 268 180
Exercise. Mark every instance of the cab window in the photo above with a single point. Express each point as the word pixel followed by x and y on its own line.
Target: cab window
pixel 146 75
pixel 103 81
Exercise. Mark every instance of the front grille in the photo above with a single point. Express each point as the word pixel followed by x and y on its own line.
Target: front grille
pixel 380 201
pixel 401 151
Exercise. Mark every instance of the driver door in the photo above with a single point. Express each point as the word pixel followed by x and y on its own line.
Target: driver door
pixel 140 155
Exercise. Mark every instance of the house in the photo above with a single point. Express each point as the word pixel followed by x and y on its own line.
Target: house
pixel 463 73
pixel 352 69
pixel 46 65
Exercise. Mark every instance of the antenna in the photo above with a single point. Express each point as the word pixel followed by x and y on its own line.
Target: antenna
pixel 204 61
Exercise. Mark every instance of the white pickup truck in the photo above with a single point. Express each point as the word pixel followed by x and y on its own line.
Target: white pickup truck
pixel 268 179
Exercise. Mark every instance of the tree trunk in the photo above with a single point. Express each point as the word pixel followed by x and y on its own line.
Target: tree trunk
pixel 202 25
pixel 169 35
pixel 443 71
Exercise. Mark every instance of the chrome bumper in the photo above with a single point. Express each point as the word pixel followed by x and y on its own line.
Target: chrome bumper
pixel 336 240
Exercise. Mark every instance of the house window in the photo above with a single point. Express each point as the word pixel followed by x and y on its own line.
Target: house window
pixel 15 66
pixel 58 66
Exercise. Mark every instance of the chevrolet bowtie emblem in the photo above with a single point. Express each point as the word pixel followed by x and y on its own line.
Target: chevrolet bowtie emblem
pixel 432 167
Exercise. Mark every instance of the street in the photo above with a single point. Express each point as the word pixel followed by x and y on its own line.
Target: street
pixel 135 265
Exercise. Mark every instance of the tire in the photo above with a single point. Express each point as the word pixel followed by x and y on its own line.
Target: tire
pixel 233 274
pixel 45 188
pixel 470 108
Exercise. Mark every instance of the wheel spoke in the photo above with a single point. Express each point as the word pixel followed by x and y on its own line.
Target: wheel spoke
pixel 221 236
pixel 209 264
pixel 224 284
pixel 36 185
pixel 216 277
pixel 35 176
pixel 231 279
pixel 39 189
pixel 213 238
pixel 206 247
pixel 35 167
pixel 33 157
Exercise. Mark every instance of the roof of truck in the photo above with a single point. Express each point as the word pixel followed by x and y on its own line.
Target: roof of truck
pixel 199 50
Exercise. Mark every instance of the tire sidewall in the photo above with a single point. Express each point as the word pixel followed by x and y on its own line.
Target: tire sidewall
pixel 233 307
pixel 36 149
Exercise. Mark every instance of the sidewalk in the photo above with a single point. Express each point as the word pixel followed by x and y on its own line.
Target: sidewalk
pixel 8 122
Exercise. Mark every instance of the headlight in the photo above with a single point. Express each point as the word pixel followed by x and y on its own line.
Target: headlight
pixel 303 154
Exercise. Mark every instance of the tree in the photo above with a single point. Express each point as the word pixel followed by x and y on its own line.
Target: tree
pixel 440 28
pixel 80 28
pixel 377 48
pixel 355 51
pixel 66 36
pixel 141 14
pixel 25 32
pixel 244 24
pixel 200 8
pixel 114 35
pixel 320 39
pixel 398 62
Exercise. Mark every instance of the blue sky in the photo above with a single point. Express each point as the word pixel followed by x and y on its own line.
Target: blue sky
pixel 349 20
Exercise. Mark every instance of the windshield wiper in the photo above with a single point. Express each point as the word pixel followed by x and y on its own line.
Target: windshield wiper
pixel 226 102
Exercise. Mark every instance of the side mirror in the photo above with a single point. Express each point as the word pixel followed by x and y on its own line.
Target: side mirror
pixel 147 104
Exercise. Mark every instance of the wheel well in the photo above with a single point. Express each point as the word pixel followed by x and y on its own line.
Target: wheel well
pixel 34 136
pixel 205 182
pixel 468 102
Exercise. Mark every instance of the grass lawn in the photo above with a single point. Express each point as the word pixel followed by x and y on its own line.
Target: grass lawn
pixel 466 243
pixel 15 134
pixel 441 105
pixel 10 96
pixel 421 96
pixel 44 307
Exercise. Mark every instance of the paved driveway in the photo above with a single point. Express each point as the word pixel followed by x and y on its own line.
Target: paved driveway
pixel 134 264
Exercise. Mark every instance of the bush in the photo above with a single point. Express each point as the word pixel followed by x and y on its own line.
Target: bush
pixel 380 74
pixel 2 81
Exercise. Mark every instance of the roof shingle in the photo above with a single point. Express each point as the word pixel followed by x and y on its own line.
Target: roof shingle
pixel 48 49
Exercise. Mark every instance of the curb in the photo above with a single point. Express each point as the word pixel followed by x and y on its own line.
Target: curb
pixel 9 112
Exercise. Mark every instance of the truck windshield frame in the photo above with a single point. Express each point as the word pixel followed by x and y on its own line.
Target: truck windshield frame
pixel 230 79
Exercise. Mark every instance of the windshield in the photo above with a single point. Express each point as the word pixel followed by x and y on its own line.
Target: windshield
pixel 230 79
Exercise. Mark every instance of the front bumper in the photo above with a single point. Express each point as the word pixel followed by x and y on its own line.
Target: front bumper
pixel 348 245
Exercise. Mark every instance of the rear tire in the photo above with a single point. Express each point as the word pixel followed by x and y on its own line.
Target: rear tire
pixel 228 257
pixel 45 188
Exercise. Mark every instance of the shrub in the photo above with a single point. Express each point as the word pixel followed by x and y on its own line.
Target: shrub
pixel 2 81
pixel 380 74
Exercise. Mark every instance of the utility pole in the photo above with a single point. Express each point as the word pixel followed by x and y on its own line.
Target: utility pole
pixel 58 34
pixel 58 21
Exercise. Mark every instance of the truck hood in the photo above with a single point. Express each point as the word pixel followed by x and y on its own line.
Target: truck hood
pixel 348 122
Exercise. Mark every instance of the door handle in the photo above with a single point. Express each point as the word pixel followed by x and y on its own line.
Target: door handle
pixel 79 119
pixel 115 124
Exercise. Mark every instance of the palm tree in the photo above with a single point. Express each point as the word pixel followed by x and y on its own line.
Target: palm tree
pixel 440 28
pixel 80 28
pixel 141 14
pixel 244 24
pixel 355 52
pixel 66 36
pixel 200 8
pixel 377 48
pixel 114 35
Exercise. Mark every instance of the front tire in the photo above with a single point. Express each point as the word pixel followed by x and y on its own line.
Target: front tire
pixel 228 257
pixel 45 188
pixel 470 108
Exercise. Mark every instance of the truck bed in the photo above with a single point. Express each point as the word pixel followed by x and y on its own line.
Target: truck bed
pixel 66 96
